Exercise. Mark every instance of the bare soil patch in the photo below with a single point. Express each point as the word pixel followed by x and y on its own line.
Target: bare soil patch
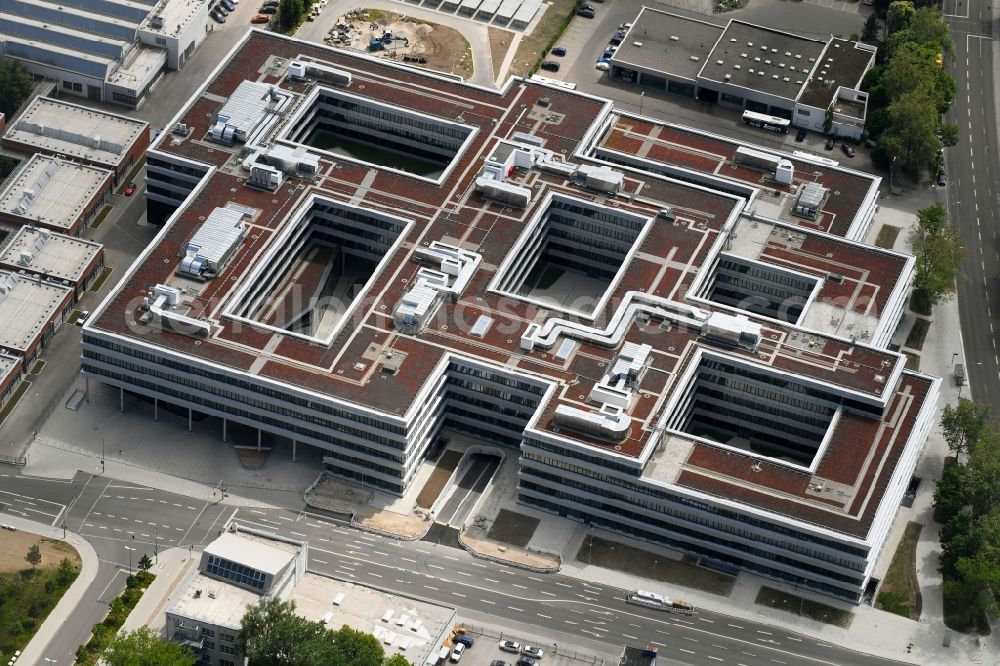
pixel 438 479
pixel 513 528
pixel 797 605
pixel 14 546
pixel 443 49
pixel 499 45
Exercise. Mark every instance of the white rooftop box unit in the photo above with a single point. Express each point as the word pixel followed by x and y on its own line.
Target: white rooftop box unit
pixel 512 195
pixel 264 177
pixel 733 329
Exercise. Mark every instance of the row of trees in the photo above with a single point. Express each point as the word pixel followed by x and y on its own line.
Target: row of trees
pixel 271 634
pixel 937 246
pixel 909 89
pixel 291 14
pixel 967 502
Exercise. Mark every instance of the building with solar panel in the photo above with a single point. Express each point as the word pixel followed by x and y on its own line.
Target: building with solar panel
pixel 103 50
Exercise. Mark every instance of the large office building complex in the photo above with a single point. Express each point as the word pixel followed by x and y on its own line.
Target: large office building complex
pixel 681 336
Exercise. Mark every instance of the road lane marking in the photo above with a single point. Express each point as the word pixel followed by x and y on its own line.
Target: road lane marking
pixel 320 561
pixel 406 559
pixel 434 566
pixel 298 534
pixel 491 580
pixel 715 658
pixel 735 626
pixel 549 617
pixel 563 584
pixel 519 610
pixel 688 651
pixel 458 594
pixel 430 588
pixel 520 586
pixel 550 594
pixel 487 601
pixel 463 573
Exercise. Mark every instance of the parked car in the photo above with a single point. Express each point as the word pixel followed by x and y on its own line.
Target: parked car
pixel 261 18
pixel 82 319
pixel 509 646
pixel 848 150
pixel 228 4
pixel 942 178
pixel 800 136
pixel 559 51
pixel 830 143
pixel 588 7
pixel 550 66
pixel 625 26
pixel 586 13
pixel 219 18
pixel 130 190
pixel 527 661
pixel 268 9
pixel 465 639
pixel 221 10
pixel 270 3
pixel 603 66
pixel 532 651
pixel 499 662
pixel 457 652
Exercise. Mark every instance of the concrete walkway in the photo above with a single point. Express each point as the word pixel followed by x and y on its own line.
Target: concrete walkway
pixel 173 567
pixel 36 648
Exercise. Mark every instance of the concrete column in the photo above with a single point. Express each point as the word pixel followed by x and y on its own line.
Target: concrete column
pixel 156 409
pixel 86 387
pixel 225 436
pixel 258 440
pixel 190 419
pixel 294 443
pixel 121 400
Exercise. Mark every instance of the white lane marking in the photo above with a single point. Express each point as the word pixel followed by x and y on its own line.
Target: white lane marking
pixel 491 580
pixel 735 626
pixel 487 601
pixel 430 588
pixel 547 617
pixel 519 610
pixel 320 561
pixel 564 584
pixel 458 594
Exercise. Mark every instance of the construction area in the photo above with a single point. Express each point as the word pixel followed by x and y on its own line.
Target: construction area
pixel 404 38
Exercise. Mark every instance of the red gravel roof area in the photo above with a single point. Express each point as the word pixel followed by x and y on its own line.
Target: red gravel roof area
pixel 664 263
pixel 715 155
pixel 854 471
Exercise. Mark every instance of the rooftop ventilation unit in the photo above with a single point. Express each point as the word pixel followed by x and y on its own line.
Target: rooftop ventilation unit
pixel 718 62
pixel 727 77
pixel 156 22
pixel 264 177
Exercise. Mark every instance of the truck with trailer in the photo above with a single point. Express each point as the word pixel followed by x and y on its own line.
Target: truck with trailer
pixel 659 602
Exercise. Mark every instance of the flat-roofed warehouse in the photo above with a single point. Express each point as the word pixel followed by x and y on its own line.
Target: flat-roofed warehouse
pixel 42 253
pixel 31 310
pixel 10 374
pixel 102 50
pixel 66 130
pixel 56 194
pixel 680 336
pixel 740 65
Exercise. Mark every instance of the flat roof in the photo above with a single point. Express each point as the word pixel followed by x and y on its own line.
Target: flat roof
pixel 174 15
pixel 52 191
pixel 266 555
pixel 213 601
pixel 27 304
pixel 412 628
pixel 685 216
pixel 58 126
pixel 843 64
pixel 52 254
pixel 759 58
pixel 144 63
pixel 666 42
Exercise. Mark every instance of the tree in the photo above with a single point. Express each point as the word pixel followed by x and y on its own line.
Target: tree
pixel 66 572
pixel 290 14
pixel 396 660
pixel 34 556
pixel 910 135
pixel 271 634
pixel 15 86
pixel 982 474
pixel 927 27
pixel 949 493
pixel 899 15
pixel 937 246
pixel 949 135
pixel 869 32
pixel 145 563
pixel 964 423
pixel 144 648
pixel 828 120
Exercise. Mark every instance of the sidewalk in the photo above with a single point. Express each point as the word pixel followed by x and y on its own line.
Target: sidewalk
pixel 174 567
pixel 33 652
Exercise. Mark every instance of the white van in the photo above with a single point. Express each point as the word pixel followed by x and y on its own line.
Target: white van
pixel 457 652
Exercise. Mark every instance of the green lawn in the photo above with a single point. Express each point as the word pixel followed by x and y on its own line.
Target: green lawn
pixel 99 282
pixel 37 368
pixel 900 590
pixel 26 598
pixel 118 611
pixel 9 407
pixel 100 217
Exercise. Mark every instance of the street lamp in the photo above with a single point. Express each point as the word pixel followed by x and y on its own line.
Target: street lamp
pixel 98 434
pixel 130 551
pixel 642 96
pixel 156 542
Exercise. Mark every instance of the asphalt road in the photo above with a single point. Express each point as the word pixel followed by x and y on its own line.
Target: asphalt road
pixel 469 489
pixel 971 194
pixel 565 610
pixel 121 521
